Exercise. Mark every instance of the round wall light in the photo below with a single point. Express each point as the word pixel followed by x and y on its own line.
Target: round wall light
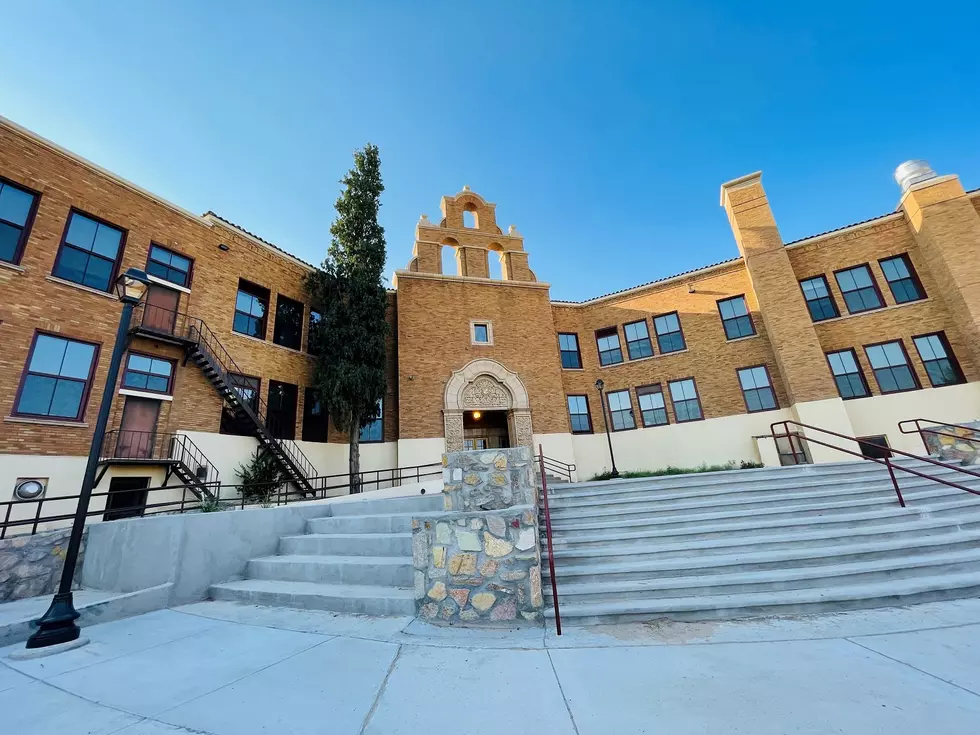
pixel 28 489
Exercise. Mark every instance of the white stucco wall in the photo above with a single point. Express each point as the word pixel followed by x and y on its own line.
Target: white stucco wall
pixel 412 452
pixel 830 414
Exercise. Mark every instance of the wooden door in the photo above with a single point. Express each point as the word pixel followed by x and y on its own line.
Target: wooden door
pixel 137 433
pixel 160 309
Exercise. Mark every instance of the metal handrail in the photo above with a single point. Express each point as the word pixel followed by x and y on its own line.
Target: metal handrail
pixel 150 445
pixel 922 431
pixel 551 550
pixel 885 461
pixel 563 469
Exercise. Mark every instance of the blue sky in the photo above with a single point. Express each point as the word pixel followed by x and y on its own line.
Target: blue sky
pixel 601 129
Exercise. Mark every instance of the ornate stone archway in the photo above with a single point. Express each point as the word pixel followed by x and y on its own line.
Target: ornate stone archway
pixel 486 385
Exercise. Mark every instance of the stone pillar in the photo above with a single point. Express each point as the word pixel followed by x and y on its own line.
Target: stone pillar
pixel 453 423
pixel 520 430
pixel 514 266
pixel 472 262
pixel 427 257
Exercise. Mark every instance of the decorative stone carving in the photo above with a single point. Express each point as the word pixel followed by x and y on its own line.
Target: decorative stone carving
pixel 485 392
pixel 454 432
pixel 506 380
pixel 523 435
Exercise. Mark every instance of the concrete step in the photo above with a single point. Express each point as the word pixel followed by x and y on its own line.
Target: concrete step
pixel 342 598
pixel 348 544
pixel 386 506
pixel 394 571
pixel 390 523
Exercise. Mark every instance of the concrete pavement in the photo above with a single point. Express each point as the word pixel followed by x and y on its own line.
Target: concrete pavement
pixel 231 669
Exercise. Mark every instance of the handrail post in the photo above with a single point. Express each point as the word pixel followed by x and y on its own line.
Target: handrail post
pixel 551 550
pixel 891 472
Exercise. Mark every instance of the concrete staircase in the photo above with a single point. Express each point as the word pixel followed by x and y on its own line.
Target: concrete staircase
pixel 356 560
pixel 785 540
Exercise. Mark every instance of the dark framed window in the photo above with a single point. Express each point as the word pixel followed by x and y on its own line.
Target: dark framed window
pixel 757 389
pixel 684 397
pixel 571 357
pixel 638 343
pixel 373 431
pixel 169 266
pixel 859 289
pixel 288 329
pixel 819 300
pixel 17 209
pixel 578 412
pixel 875 446
pixel 937 357
pixel 247 388
pixel 653 410
pixel 57 378
pixel 620 410
pixel 607 341
pixel 149 373
pixel 735 317
pixel 891 367
pixel 848 374
pixel 281 414
pixel 90 252
pixel 315 420
pixel 481 333
pixel 251 307
pixel 902 279
pixel 311 338
pixel 670 338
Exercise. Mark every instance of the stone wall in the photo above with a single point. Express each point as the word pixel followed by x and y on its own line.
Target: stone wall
pixel 488 480
pixel 31 565
pixel 954 442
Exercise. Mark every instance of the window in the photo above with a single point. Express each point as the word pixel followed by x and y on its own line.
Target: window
pixel 940 363
pixel 315 419
pixel 251 306
pixel 153 374
pixel 607 341
pixel 735 317
pixel 311 335
pixel 578 411
pixel 859 289
pixel 58 378
pixel 288 330
pixel 638 340
pixel 653 411
pixel 281 415
pixel 373 431
pixel 17 207
pixel 757 389
pixel 902 279
pixel 847 374
pixel 684 396
pixel 248 390
pixel 875 446
pixel 670 338
pixel 891 367
pixel 571 358
pixel 621 410
pixel 481 333
pixel 169 266
pixel 819 300
pixel 90 251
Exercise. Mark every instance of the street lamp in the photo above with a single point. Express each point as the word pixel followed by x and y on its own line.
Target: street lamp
pixel 57 625
pixel 599 385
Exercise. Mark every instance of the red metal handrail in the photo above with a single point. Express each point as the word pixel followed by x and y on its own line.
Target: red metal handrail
pixel 922 431
pixel 885 461
pixel 551 550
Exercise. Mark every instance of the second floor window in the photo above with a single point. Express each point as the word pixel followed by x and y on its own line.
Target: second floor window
pixel 735 317
pixel 147 373
pixel 251 305
pixel 169 266
pixel 571 357
pixel 288 329
pixel 638 340
pixel 902 279
pixel 938 359
pixel 90 251
pixel 16 206
pixel 670 338
pixel 621 410
pixel 373 431
pixel 891 367
pixel 684 396
pixel 58 378
pixel 847 374
pixel 578 412
pixel 859 289
pixel 607 340
pixel 653 411
pixel 757 389
pixel 311 333
pixel 818 299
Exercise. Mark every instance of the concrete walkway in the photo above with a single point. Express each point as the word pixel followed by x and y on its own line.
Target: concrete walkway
pixel 231 669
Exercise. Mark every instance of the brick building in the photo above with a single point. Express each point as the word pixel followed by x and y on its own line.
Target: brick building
pixel 851 330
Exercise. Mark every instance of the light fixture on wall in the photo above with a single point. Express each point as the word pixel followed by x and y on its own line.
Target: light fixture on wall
pixel 690 287
pixel 28 489
pixel 223 248
pixel 477 415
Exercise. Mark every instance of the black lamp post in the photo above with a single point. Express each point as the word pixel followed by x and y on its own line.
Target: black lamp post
pixel 599 385
pixel 57 625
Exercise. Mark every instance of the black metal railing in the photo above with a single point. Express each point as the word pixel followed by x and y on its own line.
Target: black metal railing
pixel 123 444
pixel 555 467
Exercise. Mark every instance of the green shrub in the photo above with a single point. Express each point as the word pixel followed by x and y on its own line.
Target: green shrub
pixel 261 478
pixel 671 470
pixel 211 505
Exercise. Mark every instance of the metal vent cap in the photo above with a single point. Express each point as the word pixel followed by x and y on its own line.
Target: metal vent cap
pixel 913 172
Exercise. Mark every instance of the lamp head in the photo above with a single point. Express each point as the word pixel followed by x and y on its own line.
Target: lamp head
pixel 599 385
pixel 131 286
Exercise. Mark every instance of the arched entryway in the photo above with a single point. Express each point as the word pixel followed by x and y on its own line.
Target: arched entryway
pixel 486 385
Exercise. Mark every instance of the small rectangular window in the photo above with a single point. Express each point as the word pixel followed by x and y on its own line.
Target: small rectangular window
pixel 315 420
pixel 571 357
pixel 251 306
pixel 311 333
pixel 653 411
pixel 234 421
pixel 89 253
pixel 607 340
pixel 481 333
pixel 638 343
pixel 621 410
pixel 847 374
pixel 148 373
pixel 819 300
pixel 58 378
pixel 288 329
pixel 670 338
pixel 735 317
pixel 890 364
pixel 875 446
pixel 169 266
pixel 17 208
pixel 938 359
pixel 684 397
pixel 859 289
pixel 578 412
pixel 757 389
pixel 373 431
pixel 902 279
